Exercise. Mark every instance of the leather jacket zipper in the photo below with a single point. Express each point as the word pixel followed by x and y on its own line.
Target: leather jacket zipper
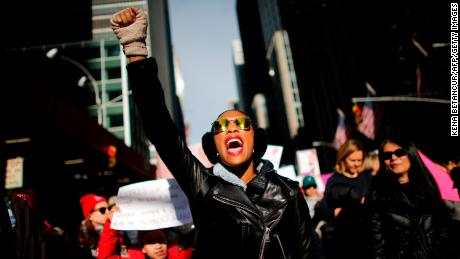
pixel 265 240
pixel 266 236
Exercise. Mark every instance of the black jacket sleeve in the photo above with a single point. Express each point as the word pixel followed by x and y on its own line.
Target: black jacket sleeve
pixel 161 130
pixel 303 244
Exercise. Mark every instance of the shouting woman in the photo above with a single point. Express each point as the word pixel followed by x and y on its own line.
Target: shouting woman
pixel 241 207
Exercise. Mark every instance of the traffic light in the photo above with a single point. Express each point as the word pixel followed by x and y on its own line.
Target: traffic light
pixel 111 152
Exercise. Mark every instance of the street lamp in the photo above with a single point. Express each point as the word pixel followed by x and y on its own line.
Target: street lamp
pixel 54 53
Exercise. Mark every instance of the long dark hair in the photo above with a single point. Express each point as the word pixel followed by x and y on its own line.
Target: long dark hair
pixel 426 189
pixel 88 235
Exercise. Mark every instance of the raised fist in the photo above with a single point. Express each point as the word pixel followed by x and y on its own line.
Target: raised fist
pixel 130 27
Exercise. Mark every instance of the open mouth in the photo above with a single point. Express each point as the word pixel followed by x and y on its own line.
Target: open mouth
pixel 234 145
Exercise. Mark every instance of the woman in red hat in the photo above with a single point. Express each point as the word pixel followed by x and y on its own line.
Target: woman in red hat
pixel 95 211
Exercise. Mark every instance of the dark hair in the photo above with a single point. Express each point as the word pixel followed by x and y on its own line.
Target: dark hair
pixel 88 236
pixel 260 142
pixel 455 176
pixel 428 195
pixel 151 237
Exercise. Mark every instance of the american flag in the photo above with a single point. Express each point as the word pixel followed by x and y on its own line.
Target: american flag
pixel 340 132
pixel 367 124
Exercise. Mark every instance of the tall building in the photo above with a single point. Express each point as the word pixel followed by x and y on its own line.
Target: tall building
pixel 72 126
pixel 309 58
pixel 238 63
pixel 101 63
pixel 110 66
pixel 279 65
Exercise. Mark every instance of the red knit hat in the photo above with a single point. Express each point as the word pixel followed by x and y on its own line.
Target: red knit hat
pixel 88 202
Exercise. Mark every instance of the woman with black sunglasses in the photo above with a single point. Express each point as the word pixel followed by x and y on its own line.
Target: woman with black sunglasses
pixel 241 207
pixel 95 211
pixel 407 217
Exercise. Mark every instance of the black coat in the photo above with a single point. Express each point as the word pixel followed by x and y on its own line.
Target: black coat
pixel 29 242
pixel 401 229
pixel 268 220
pixel 344 236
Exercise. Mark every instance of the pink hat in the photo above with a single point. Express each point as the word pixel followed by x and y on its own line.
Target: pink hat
pixel 88 202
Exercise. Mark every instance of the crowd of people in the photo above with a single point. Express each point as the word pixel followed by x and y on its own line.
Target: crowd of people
pixel 380 204
pixel 97 239
pixel 393 209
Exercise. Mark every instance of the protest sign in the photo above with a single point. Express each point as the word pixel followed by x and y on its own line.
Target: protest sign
pixel 151 205
pixel 273 154
pixel 308 164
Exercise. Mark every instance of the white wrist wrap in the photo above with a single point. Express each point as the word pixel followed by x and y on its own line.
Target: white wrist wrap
pixel 132 37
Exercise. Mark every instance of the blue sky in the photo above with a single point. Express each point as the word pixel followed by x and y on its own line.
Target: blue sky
pixel 202 34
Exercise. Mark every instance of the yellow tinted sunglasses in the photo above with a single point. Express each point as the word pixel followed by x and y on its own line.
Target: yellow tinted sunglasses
pixel 221 125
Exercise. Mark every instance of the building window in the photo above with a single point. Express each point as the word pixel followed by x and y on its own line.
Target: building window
pixel 116 120
pixel 113 73
pixel 113 50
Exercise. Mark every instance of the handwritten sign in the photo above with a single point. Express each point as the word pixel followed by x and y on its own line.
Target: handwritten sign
pixel 151 205
pixel 14 173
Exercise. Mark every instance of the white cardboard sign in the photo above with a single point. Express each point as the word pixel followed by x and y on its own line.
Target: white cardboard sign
pixel 14 173
pixel 151 205
pixel 308 164
pixel 273 154
pixel 288 171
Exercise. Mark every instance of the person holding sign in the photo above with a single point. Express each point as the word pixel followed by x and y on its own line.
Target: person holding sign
pixel 152 243
pixel 241 207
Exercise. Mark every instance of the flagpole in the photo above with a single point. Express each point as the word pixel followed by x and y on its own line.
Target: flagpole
pixel 398 99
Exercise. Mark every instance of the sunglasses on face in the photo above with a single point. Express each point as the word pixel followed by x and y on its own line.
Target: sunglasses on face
pixel 101 210
pixel 398 152
pixel 221 125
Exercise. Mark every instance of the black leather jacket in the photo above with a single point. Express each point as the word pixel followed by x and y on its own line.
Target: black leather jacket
pixel 401 229
pixel 268 220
